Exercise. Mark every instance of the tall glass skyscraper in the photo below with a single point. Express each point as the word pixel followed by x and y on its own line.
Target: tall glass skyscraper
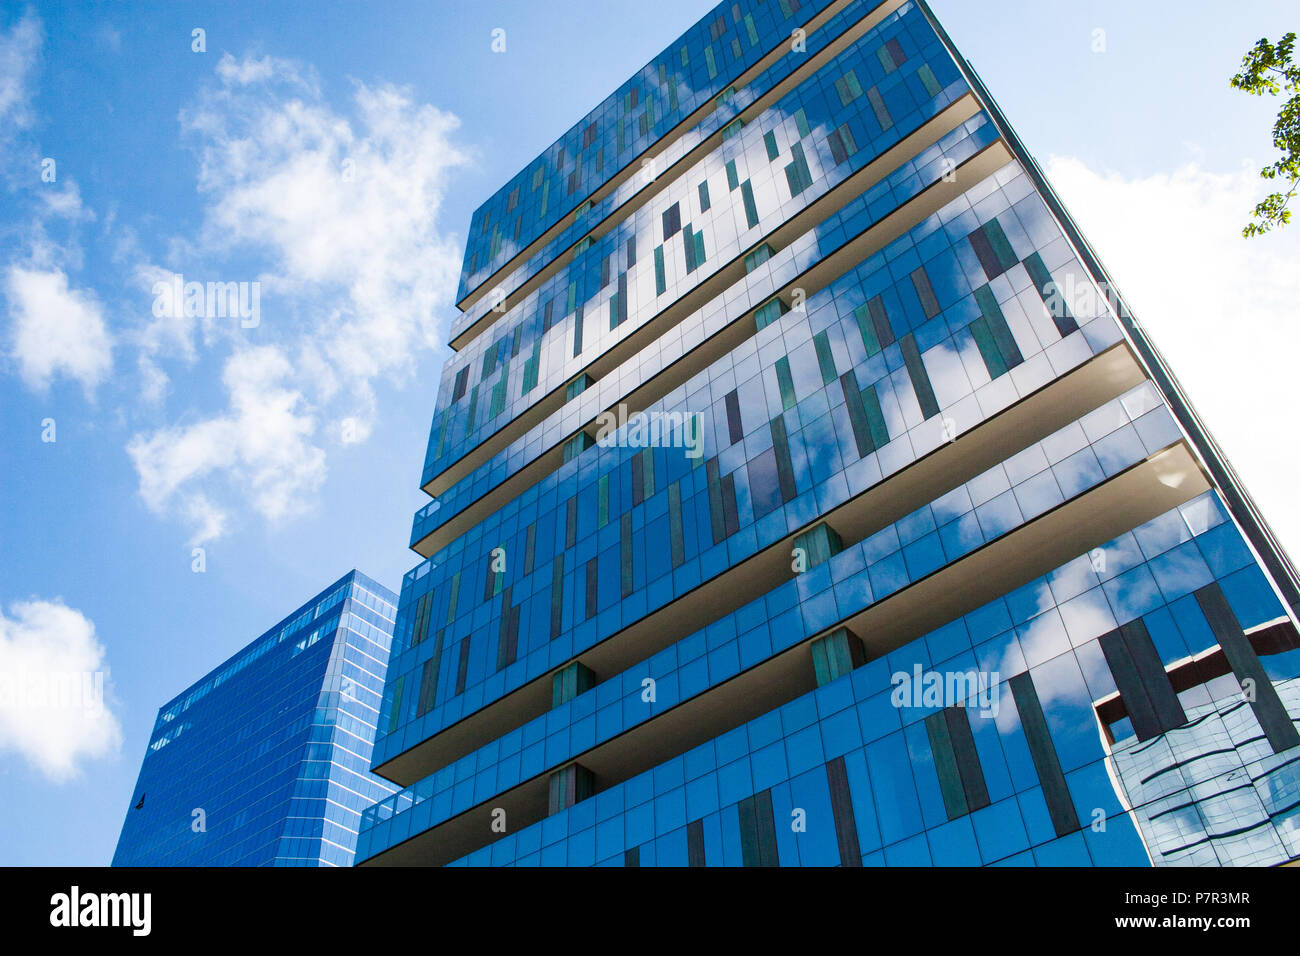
pixel 265 761
pixel 804 493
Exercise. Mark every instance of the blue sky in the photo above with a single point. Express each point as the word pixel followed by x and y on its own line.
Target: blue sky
pixel 291 451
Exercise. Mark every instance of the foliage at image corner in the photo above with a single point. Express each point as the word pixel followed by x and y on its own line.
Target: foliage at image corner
pixel 1270 68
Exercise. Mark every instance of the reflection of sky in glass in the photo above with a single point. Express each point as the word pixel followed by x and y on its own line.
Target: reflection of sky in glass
pixel 1208 793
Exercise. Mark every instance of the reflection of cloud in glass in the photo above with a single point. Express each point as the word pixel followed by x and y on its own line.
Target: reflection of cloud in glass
pixel 1044 641
pixel 1043 638
pixel 1181 571
pixel 1077 472
pixel 1132 594
pixel 1160 534
pixel 1073 578
pixel 1087 616
pixel 1196 800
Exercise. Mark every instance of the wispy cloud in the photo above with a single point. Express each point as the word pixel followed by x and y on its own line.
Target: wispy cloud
pixel 337 214
pixel 260 447
pixel 53 328
pixel 20 48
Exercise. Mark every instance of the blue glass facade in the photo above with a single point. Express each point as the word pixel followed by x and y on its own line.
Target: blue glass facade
pixel 265 761
pixel 702 64
pixel 803 497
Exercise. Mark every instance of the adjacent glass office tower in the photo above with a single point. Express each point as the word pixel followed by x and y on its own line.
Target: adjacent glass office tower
pixel 804 493
pixel 265 761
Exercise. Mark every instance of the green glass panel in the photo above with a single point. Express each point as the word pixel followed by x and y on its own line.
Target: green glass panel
pixel 825 360
pixel 786 382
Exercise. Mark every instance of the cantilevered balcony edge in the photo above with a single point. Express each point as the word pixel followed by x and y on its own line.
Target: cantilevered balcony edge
pixel 717 283
pixel 821 273
pixel 1054 405
pixel 1120 503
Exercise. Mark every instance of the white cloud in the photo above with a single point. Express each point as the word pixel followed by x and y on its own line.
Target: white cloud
pixel 54 690
pixel 345 212
pixel 208 521
pixel 1224 311
pixel 19 49
pixel 170 334
pixel 65 202
pixel 340 213
pixel 258 448
pixel 154 382
pixel 53 329
pixel 244 72
pixel 56 330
